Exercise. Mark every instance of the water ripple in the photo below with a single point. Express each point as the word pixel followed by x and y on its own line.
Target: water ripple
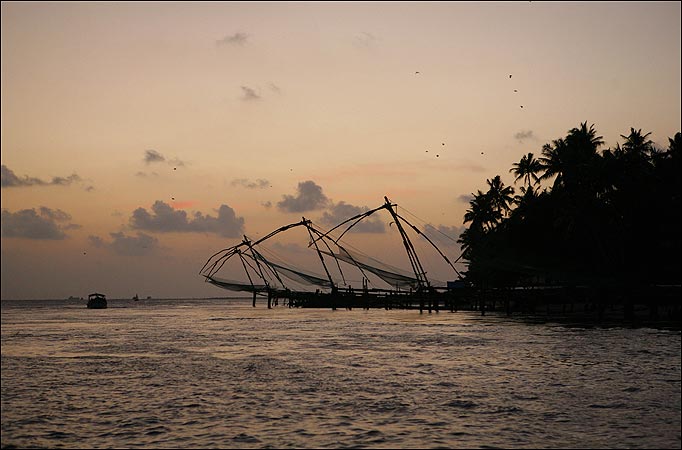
pixel 178 375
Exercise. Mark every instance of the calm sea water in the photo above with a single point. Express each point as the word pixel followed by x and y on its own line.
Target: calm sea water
pixel 215 373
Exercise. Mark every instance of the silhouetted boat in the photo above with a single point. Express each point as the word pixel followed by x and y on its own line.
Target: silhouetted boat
pixel 136 298
pixel 97 301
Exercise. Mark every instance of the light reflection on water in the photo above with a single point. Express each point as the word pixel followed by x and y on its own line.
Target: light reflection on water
pixel 207 373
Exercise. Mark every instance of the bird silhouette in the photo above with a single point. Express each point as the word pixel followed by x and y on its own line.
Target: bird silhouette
pixel 509 76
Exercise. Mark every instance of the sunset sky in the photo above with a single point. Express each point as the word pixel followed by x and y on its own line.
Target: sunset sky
pixel 140 138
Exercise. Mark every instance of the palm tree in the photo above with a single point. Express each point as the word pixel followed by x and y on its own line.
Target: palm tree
pixel 551 160
pixel 572 159
pixel 501 196
pixel 637 144
pixel 482 213
pixel 585 138
pixel 527 168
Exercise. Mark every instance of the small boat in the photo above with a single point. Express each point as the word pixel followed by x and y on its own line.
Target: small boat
pixel 136 298
pixel 97 301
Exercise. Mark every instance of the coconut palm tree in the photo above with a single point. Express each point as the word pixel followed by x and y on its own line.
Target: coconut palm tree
pixel 572 159
pixel 482 212
pixel 501 196
pixel 527 168
pixel 552 161
pixel 637 144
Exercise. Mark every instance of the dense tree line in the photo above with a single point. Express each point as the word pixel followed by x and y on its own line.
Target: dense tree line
pixel 581 216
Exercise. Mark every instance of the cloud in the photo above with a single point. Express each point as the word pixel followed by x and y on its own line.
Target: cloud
pixel 96 241
pixel 152 156
pixel 245 182
pixel 176 162
pixel 274 88
pixel 145 175
pixel 61 181
pixel 31 224
pixel 9 179
pixel 238 38
pixel 164 218
pixel 56 215
pixel 364 40
pixel 267 205
pixel 309 197
pixel 341 211
pixel 289 248
pixel 523 135
pixel 139 245
pixel 442 234
pixel 249 94
pixel 465 198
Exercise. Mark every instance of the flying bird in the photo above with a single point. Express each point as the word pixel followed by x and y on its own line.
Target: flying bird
pixel 509 76
pixel 515 90
pixel 521 106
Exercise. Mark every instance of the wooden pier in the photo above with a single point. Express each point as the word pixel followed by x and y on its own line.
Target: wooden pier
pixel 650 305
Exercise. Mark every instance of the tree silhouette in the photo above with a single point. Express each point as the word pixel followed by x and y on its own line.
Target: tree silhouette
pixel 500 196
pixel 482 212
pixel 527 168
pixel 610 217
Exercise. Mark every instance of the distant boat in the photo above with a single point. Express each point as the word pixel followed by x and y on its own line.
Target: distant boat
pixel 97 301
pixel 136 298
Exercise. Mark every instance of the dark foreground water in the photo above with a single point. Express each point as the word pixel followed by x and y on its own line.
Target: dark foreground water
pixel 210 373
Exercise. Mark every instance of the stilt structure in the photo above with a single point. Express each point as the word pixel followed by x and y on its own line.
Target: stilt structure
pixel 266 276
